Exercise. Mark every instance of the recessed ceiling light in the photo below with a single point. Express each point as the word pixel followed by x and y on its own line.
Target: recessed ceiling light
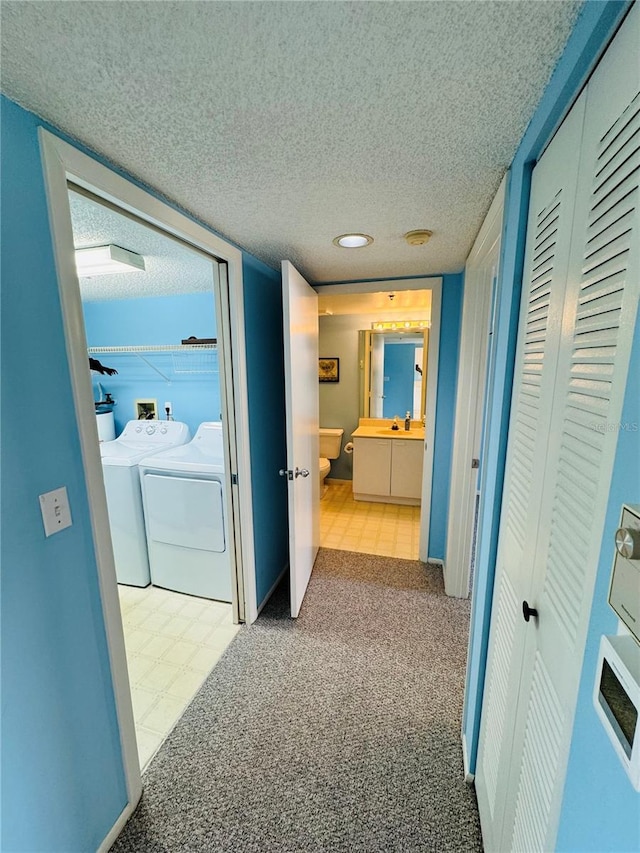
pixel 103 260
pixel 353 241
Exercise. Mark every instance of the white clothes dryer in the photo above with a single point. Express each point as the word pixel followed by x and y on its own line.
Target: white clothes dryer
pixel 183 493
pixel 120 459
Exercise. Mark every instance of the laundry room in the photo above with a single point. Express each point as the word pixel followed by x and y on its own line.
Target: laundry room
pixel 149 308
pixel 143 295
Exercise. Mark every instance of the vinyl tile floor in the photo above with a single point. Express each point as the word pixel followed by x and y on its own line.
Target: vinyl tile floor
pixel 172 642
pixel 389 530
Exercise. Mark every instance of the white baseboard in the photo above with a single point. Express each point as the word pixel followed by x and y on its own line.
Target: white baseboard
pixel 436 561
pixel 118 826
pixel 272 590
pixel 468 775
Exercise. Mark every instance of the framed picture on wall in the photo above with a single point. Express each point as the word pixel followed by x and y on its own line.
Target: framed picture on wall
pixel 329 369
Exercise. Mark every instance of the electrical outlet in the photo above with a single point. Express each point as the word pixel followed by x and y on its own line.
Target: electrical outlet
pixel 56 514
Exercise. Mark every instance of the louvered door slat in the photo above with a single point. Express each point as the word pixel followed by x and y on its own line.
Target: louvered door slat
pixel 539 761
pixel 536 320
pixel 497 689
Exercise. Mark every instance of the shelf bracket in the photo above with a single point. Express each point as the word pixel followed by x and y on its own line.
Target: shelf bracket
pixel 153 367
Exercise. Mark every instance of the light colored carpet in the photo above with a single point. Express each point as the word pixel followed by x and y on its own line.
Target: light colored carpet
pixel 338 731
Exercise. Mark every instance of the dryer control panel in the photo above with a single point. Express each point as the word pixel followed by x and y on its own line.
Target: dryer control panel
pixel 156 432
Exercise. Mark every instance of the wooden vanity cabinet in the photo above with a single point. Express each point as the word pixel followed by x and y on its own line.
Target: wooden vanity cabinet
pixel 388 469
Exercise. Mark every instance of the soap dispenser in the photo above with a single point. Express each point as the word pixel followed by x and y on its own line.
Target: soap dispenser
pixel 395 426
pixel 407 421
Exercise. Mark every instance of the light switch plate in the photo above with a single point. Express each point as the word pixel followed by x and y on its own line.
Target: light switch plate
pixel 56 514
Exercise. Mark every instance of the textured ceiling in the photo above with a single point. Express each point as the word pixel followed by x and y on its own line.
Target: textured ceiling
pixel 170 267
pixel 284 124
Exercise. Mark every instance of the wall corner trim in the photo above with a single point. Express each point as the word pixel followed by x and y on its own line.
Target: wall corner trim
pixel 118 826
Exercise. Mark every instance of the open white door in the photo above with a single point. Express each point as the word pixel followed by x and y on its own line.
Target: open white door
pixel 300 312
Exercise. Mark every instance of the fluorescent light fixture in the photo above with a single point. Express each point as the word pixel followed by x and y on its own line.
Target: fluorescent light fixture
pixel 103 260
pixel 353 241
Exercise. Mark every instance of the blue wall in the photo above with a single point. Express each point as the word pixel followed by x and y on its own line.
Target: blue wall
pixel 156 320
pixel 452 293
pixel 593 29
pixel 63 784
pixel 601 811
pixel 399 372
pixel 265 370
pixel 62 779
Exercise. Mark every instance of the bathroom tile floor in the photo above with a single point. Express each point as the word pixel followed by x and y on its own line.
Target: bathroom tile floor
pixel 172 641
pixel 389 530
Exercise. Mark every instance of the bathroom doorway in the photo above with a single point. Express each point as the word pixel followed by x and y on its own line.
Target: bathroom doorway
pixel 350 318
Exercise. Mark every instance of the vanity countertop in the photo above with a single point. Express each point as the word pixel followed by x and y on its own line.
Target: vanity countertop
pixel 416 432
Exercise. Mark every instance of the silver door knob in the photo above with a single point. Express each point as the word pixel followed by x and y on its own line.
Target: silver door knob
pixel 302 472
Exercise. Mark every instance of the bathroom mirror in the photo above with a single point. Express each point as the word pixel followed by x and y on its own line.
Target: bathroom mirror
pixel 393 373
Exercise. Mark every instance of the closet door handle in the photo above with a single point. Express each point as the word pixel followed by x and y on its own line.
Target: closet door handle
pixel 528 612
pixel 302 472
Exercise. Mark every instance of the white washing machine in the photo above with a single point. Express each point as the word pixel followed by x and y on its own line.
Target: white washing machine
pixel 183 492
pixel 120 459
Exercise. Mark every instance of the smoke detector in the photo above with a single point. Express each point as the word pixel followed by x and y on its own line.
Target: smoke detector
pixel 418 238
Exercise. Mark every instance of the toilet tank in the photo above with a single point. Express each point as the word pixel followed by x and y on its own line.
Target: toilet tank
pixel 330 442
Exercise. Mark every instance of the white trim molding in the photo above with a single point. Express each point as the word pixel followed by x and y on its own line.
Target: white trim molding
pixel 481 271
pixel 62 163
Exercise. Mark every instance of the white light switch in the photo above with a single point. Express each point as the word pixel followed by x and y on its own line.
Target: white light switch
pixel 56 514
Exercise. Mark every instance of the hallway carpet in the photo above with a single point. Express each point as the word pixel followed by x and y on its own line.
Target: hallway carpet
pixel 339 731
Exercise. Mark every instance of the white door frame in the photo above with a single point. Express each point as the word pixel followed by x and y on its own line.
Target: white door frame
pixel 472 377
pixel 63 162
pixel 434 284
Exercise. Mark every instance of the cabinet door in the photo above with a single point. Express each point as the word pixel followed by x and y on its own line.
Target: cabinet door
pixel 407 456
pixel 372 466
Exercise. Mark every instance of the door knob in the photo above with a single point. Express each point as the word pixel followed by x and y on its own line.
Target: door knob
pixel 302 472
pixel 528 612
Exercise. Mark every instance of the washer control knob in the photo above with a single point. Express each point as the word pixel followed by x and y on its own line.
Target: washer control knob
pixel 628 543
pixel 150 430
pixel 138 429
pixel 164 430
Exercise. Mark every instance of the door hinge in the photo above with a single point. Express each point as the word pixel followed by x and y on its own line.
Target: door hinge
pixel 234 479
pixel 475 463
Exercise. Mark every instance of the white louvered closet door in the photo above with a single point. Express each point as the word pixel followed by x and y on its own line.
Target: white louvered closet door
pixel 601 293
pixel 546 263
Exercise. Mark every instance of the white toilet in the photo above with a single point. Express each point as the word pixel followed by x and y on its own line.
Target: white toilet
pixel 330 446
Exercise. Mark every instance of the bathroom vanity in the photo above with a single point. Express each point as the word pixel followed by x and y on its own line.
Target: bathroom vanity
pixel 387 464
